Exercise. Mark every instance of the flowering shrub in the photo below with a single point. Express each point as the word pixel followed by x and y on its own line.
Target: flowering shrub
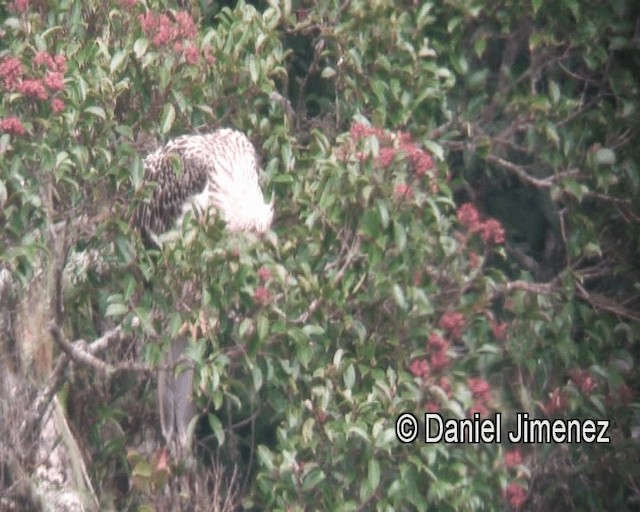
pixel 455 195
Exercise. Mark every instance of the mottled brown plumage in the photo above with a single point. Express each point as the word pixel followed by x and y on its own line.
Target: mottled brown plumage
pixel 196 172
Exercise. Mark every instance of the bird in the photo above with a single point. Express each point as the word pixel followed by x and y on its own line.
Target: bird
pixel 208 174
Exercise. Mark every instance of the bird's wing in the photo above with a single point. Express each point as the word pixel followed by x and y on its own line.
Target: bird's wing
pixel 177 174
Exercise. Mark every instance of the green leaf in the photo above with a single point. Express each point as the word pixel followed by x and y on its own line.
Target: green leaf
pixel 398 296
pixel 256 374
pixel 140 47
pixel 117 60
pixel 554 92
pixel 536 5
pixel 328 72
pixel 373 474
pixel 265 457
pixel 97 111
pixel 168 116
pixel 311 330
pixel 262 327
pixel 313 478
pixel 3 194
pixel 349 376
pixel 400 236
pixel 384 213
pixel 254 69
pixel 216 426
pixel 116 310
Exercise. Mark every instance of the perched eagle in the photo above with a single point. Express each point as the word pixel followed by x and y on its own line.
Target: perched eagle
pixel 196 172
pixel 217 171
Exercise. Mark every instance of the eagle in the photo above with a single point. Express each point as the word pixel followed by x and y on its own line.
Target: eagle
pixel 215 173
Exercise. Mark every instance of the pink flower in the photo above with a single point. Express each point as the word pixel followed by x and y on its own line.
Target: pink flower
pixel 432 407
pixel 186 26
pixel 512 458
pixel 158 28
pixel 499 329
pixel 163 31
pixel 515 495
pixel 468 216
pixel 453 323
pixel 54 80
pixel 57 105
pixel 60 62
pixel 492 232
pixel 439 360
pixel 128 4
pixel 584 380
pixel 360 131
pixel 191 54
pixel 43 59
pixel 480 388
pixel 33 89
pixel 12 125
pixel 419 368
pixel 262 296
pixel 19 6
pixel 10 72
pixel 386 156
pixel 264 274
pixel 403 191
pixel 421 161
pixel 437 342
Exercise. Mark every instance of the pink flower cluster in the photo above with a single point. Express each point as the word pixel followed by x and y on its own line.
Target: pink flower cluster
pixel 437 358
pixel 13 77
pixel 11 125
pixel 395 145
pixel 499 329
pixel 438 347
pixel 262 296
pixel 512 458
pixel 584 380
pixel 39 86
pixel 162 30
pixel 490 230
pixel 481 392
pixel 403 191
pixel 453 324
pixel 515 495
pixel 180 32
pixel 11 72
pixel 19 6
pixel 264 274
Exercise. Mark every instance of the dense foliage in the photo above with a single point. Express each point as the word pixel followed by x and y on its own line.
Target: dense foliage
pixel 457 231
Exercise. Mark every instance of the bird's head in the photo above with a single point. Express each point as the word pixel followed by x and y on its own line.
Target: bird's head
pixel 246 211
pixel 264 216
